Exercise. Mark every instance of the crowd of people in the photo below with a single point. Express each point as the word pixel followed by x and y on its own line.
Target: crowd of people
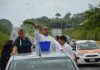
pixel 22 44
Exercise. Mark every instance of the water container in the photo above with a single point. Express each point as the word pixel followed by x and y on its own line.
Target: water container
pixel 45 46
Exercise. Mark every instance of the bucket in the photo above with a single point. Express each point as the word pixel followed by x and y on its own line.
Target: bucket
pixel 45 46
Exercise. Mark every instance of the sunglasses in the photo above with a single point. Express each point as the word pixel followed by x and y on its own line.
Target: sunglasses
pixel 21 33
pixel 46 29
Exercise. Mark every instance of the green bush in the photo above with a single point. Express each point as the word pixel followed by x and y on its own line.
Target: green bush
pixel 5 31
pixel 3 38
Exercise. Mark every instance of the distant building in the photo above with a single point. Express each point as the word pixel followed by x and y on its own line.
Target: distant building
pixel 56 31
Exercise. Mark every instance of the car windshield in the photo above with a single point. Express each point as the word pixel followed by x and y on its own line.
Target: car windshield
pixel 55 63
pixel 87 46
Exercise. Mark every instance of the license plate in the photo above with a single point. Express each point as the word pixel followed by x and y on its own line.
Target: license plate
pixel 92 60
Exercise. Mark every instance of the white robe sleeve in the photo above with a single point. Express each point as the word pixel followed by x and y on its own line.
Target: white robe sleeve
pixel 56 44
pixel 37 35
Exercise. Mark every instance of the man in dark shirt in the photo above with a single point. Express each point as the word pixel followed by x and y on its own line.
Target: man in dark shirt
pixel 22 44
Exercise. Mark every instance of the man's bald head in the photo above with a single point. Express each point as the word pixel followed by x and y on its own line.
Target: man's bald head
pixel 44 30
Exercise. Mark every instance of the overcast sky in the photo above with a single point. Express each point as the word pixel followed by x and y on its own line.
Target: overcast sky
pixel 18 10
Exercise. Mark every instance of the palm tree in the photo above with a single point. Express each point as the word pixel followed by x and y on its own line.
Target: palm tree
pixel 58 15
pixel 67 16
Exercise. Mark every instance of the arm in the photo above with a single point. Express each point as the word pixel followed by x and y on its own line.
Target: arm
pixel 14 51
pixel 37 34
pixel 56 44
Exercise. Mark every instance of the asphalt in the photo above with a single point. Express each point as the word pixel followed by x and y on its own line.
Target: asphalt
pixel 89 67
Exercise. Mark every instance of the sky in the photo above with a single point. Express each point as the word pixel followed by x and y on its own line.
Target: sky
pixel 18 10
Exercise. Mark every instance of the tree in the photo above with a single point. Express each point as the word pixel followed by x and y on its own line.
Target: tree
pixel 99 5
pixel 58 15
pixel 90 6
pixel 90 24
pixel 5 26
pixel 5 31
pixel 44 18
pixel 67 16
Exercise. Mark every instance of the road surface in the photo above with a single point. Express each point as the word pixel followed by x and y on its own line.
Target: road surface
pixel 89 67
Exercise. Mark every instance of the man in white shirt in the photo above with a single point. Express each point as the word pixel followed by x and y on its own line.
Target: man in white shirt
pixel 42 35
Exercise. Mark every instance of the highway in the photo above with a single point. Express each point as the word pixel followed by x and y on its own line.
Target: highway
pixel 89 67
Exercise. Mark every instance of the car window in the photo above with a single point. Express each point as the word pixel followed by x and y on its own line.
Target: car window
pixel 87 46
pixel 43 64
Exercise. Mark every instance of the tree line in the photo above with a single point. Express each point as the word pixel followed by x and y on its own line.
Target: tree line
pixel 65 22
pixel 85 25
pixel 5 31
pixel 90 27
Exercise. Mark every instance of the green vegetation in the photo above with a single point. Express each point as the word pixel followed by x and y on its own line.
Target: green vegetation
pixel 5 30
pixel 56 22
pixel 29 29
pixel 89 28
pixel 85 25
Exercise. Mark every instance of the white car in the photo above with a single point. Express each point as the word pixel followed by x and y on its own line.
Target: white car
pixel 87 52
pixel 54 61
